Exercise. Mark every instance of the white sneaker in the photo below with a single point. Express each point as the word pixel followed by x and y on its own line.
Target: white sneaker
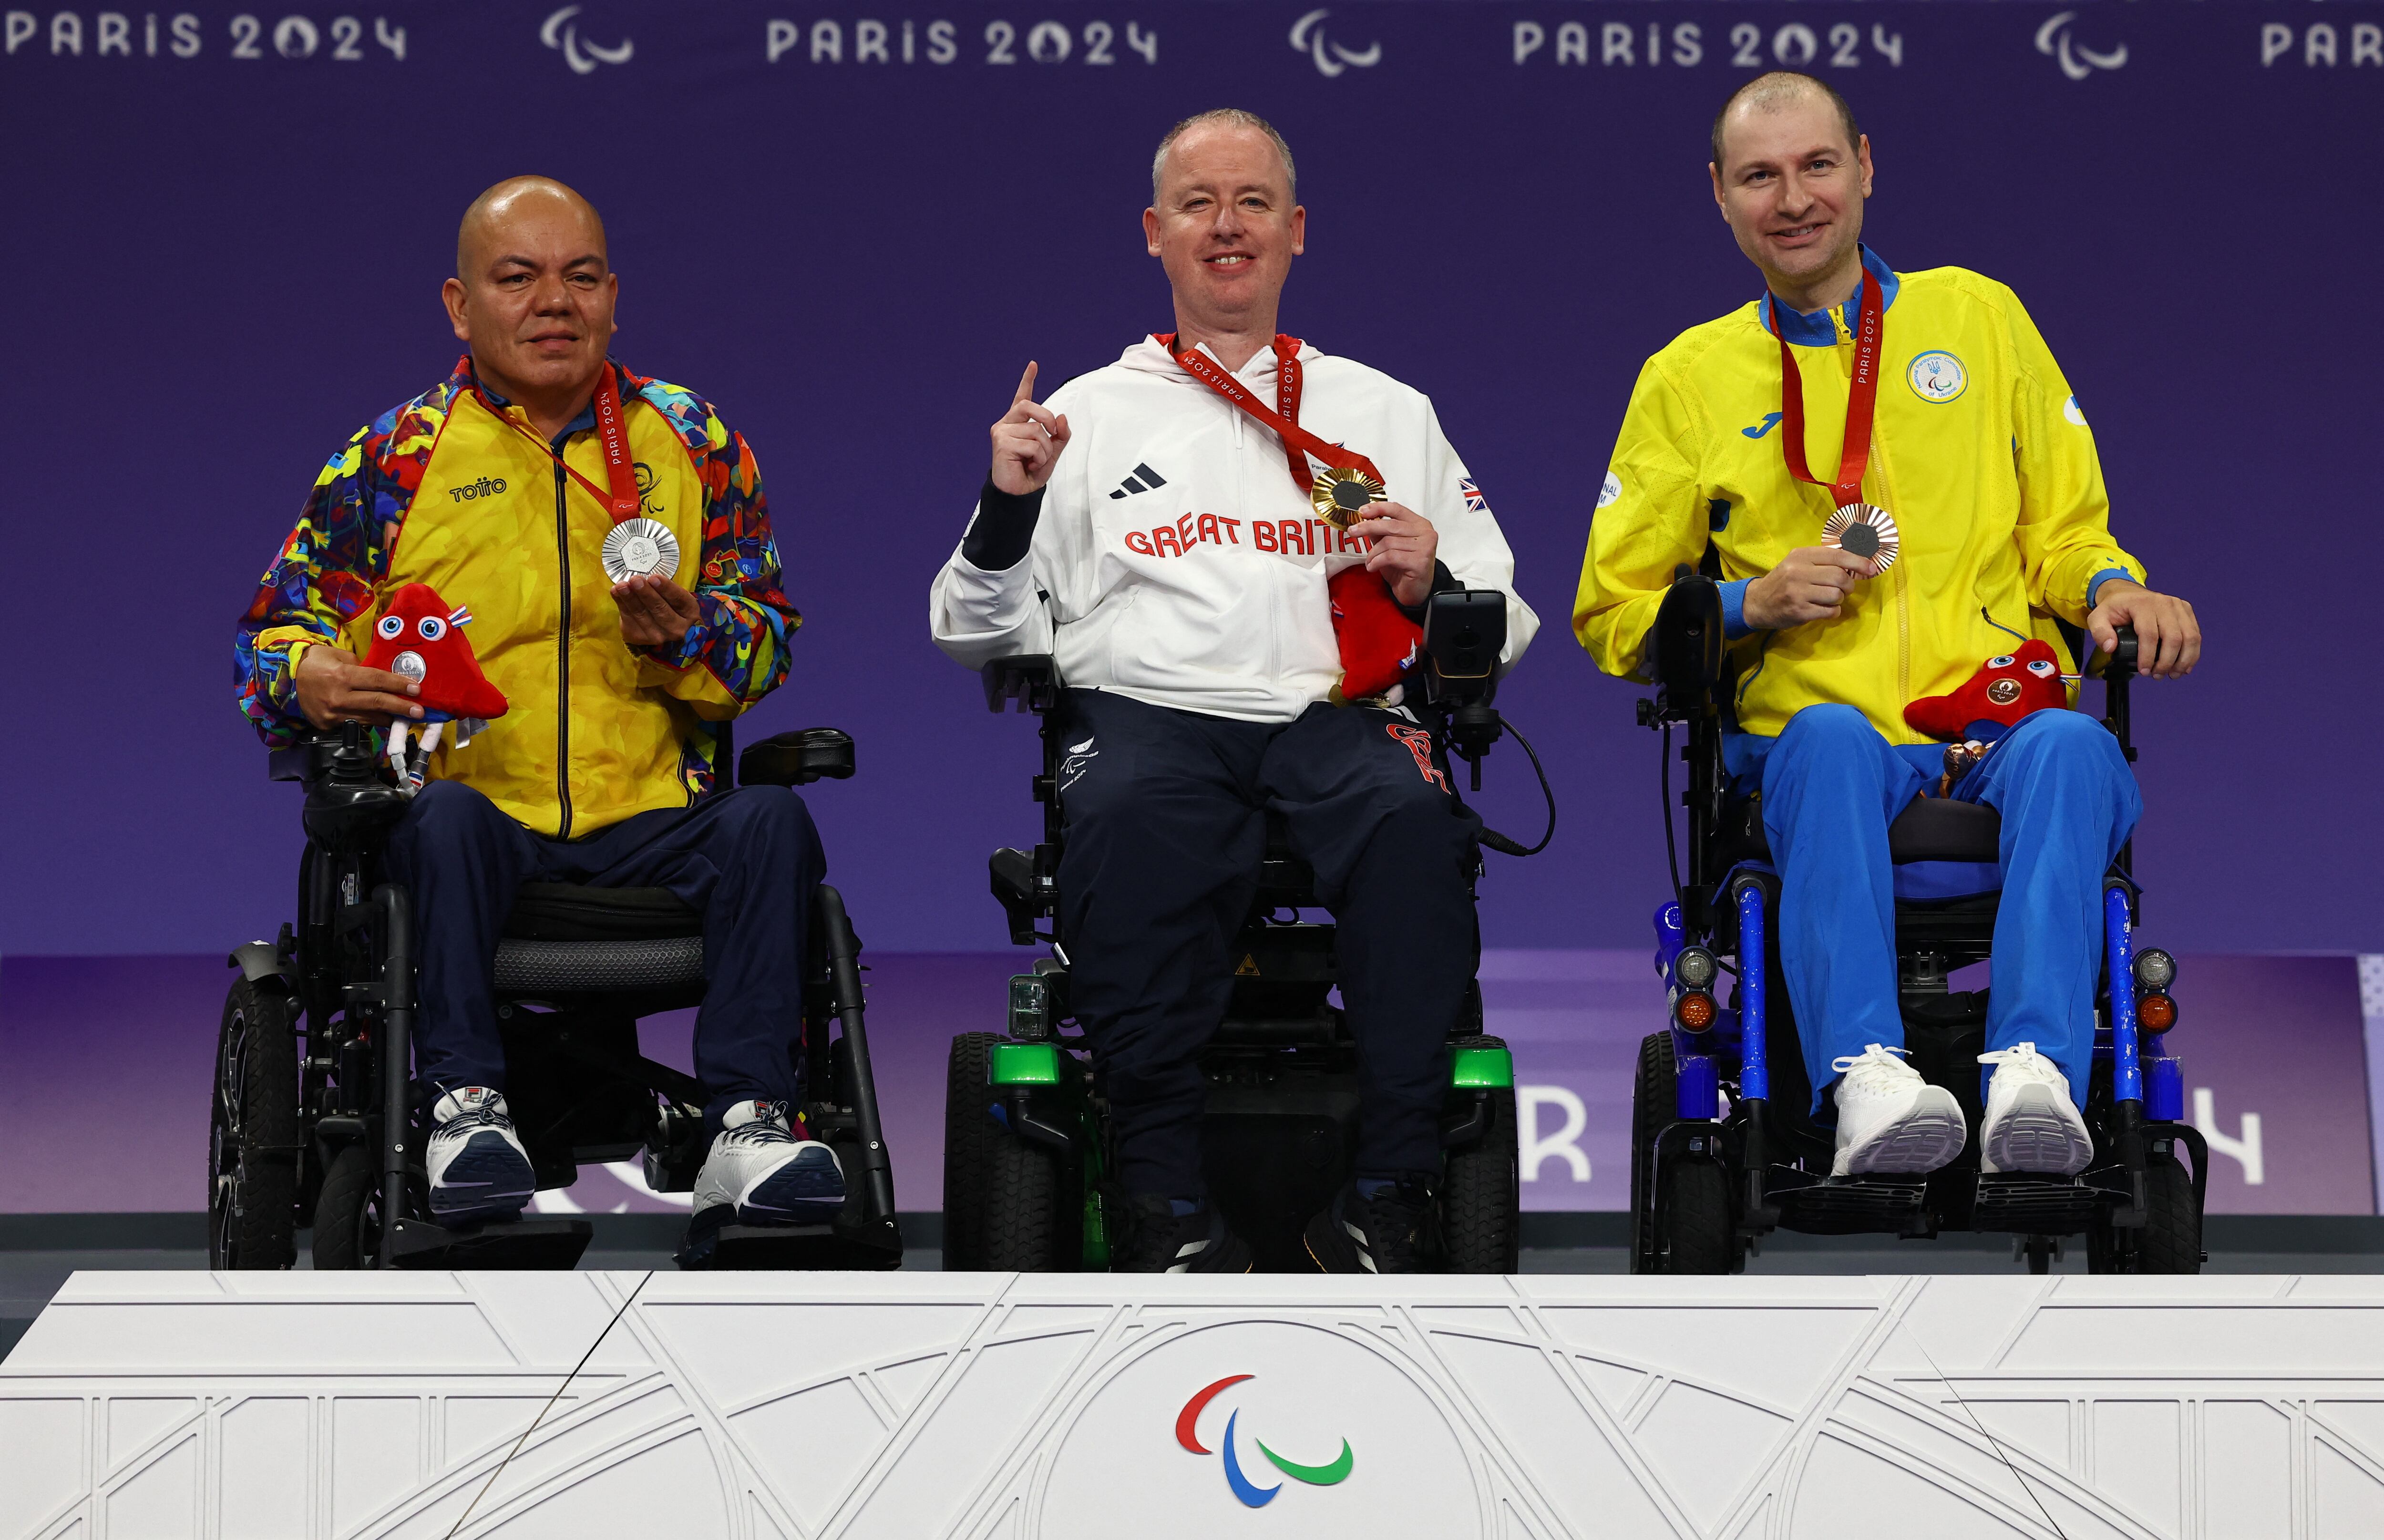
pixel 478 1169
pixel 2031 1124
pixel 770 1177
pixel 1889 1121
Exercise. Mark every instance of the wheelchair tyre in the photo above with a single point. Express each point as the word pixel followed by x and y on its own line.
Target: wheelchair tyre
pixel 1033 1208
pixel 253 1132
pixel 347 1215
pixel 1481 1191
pixel 970 1135
pixel 1682 1219
pixel 2170 1240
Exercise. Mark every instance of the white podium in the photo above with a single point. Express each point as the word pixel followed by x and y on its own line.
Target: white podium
pixel 773 1406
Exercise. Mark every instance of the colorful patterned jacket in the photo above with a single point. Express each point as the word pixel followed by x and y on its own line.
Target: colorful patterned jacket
pixel 440 492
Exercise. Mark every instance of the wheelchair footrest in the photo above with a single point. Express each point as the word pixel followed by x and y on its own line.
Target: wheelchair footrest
pixel 1850 1206
pixel 716 1245
pixel 2037 1205
pixel 521 1245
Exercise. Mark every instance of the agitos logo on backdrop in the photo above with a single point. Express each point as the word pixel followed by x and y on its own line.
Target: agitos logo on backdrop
pixel 1187 1433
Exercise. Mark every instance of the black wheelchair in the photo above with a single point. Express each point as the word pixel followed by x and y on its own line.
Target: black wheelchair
pixel 1724 1146
pixel 314 1119
pixel 1028 1138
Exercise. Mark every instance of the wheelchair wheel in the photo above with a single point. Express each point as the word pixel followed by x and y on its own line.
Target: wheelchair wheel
pixel 969 1138
pixel 253 1132
pixel 347 1215
pixel 1032 1208
pixel 1481 1191
pixel 1680 1219
pixel 2170 1240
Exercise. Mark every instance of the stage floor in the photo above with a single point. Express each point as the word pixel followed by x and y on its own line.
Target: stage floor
pixel 1002 1406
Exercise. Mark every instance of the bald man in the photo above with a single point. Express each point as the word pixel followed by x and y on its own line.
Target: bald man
pixel 603 539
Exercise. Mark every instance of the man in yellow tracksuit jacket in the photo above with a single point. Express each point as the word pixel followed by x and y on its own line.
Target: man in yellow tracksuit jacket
pixel 490 488
pixel 1983 458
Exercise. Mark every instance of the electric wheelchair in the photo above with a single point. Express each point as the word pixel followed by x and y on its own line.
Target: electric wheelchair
pixel 315 1109
pixel 1724 1145
pixel 1027 1140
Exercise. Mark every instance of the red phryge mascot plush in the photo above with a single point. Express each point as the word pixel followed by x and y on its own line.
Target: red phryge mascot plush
pixel 1989 704
pixel 1380 646
pixel 421 636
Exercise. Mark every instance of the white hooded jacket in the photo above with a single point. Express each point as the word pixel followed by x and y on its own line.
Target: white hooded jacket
pixel 1174 559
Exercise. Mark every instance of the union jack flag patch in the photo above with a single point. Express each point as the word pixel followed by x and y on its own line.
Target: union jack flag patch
pixel 1474 501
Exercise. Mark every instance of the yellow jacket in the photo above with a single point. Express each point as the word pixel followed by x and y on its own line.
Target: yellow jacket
pixel 1978 451
pixel 440 492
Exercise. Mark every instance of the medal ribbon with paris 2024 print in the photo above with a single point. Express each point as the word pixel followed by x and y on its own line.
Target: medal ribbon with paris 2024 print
pixel 1855 525
pixel 636 547
pixel 1340 493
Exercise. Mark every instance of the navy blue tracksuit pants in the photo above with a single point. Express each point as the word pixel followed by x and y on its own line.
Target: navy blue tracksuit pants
pixel 1165 830
pixel 746 861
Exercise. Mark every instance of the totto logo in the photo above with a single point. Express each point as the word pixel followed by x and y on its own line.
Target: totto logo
pixel 1308 36
pixel 582 55
pixel 1187 1433
pixel 2076 59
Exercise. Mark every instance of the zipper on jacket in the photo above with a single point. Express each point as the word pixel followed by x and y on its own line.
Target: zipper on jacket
pixel 563 661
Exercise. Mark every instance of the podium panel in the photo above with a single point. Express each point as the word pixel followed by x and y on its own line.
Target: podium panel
pixel 997 1407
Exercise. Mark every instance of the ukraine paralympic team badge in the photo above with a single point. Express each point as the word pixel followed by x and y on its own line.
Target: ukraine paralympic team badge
pixel 1937 375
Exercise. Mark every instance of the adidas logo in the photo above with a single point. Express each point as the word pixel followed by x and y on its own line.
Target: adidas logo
pixel 1142 480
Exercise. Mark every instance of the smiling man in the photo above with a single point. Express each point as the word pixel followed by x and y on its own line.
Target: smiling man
pixel 1161 539
pixel 607 535
pixel 1849 386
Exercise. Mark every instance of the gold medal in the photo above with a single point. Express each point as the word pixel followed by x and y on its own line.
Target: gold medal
pixel 1340 496
pixel 1860 529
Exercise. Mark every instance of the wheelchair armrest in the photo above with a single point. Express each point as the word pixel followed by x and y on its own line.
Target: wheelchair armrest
pixel 1031 680
pixel 1686 646
pixel 796 758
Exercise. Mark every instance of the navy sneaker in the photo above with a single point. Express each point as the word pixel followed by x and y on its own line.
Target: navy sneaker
pixel 478 1170
pixel 1381 1234
pixel 1160 1240
pixel 758 1167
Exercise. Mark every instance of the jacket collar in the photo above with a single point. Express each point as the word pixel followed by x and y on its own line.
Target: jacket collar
pixel 1148 356
pixel 1817 329
pixel 467 378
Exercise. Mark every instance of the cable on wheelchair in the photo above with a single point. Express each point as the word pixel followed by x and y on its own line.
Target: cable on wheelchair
pixel 1499 842
pixel 1672 846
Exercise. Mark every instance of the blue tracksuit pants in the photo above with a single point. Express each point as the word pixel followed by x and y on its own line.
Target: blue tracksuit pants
pixel 1831 785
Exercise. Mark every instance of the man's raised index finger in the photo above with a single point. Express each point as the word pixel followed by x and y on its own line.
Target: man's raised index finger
pixel 1025 385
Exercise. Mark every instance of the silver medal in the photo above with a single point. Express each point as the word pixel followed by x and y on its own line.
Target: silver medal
pixel 640 548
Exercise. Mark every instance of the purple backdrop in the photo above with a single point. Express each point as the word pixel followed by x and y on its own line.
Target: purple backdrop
pixel 2272 1043
pixel 218 265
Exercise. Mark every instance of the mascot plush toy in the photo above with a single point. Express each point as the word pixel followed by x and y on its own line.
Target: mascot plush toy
pixel 420 637
pixel 1989 704
pixel 1380 646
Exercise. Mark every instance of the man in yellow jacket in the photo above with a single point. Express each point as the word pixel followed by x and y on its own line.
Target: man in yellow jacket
pixel 508 488
pixel 1932 396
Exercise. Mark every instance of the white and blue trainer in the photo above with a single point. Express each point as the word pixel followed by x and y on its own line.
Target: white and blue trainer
pixel 758 1166
pixel 478 1170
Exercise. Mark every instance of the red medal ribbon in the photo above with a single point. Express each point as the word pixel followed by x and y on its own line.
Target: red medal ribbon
pixel 1862 398
pixel 1298 443
pixel 624 500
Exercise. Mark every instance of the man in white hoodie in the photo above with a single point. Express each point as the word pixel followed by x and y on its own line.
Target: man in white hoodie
pixel 1144 527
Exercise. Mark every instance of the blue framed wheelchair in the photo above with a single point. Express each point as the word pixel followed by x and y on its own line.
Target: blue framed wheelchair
pixel 1027 1140
pixel 314 1120
pixel 1724 1147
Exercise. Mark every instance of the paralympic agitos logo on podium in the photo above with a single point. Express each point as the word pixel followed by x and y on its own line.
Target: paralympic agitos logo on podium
pixel 1187 1433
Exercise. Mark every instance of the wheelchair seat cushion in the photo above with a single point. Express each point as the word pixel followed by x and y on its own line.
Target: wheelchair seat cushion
pixel 1931 828
pixel 568 912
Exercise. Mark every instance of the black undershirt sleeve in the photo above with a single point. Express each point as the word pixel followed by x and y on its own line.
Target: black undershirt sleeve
pixel 1003 531
pixel 1442 582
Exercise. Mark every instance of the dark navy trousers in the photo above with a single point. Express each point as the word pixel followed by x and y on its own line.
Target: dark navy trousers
pixel 1165 830
pixel 746 861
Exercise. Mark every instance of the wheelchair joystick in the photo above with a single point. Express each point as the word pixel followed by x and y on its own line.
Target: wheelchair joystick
pixel 350 806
